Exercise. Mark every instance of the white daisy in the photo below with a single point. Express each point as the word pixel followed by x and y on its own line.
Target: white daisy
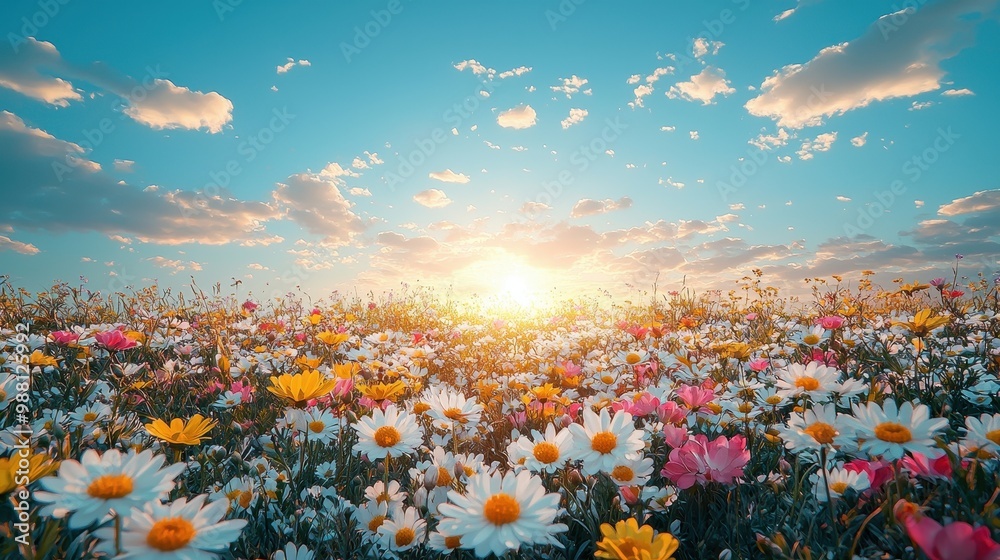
pixel 632 470
pixel 891 432
pixel 838 481
pixel 449 408
pixel 394 433
pixel 816 380
pixel 983 433
pixel 403 531
pixel 497 514
pixel 601 441
pixel 180 529
pixel 292 553
pixel 547 452
pixel 813 429
pixel 95 486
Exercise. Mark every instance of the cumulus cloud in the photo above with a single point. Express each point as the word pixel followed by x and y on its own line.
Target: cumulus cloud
pixel 316 203
pixel 841 198
pixel 432 198
pixel 292 64
pixel 124 165
pixel 899 55
pixel 153 101
pixel 449 176
pixel 646 89
pixel 514 72
pixel 59 190
pixel 590 207
pixel 769 142
pixel 575 116
pixel 703 86
pixel 859 141
pixel 703 46
pixel 517 118
pixel 982 201
pixel 822 143
pixel 475 67
pixel 8 244
pixel 174 265
pixel 572 85
pixel 957 92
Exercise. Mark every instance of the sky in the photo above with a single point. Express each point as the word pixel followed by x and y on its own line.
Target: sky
pixel 520 149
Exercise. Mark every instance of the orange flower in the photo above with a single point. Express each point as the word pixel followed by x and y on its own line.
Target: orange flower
pixel 301 387
pixel 179 432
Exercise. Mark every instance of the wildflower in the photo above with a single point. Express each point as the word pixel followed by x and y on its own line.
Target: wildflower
pixel 13 475
pixel 923 322
pixel 391 495
pixel 983 433
pixel 547 452
pixel 179 432
pixel 694 397
pixel 402 531
pixel 500 513
pixel 451 407
pixel 813 429
pixel 910 289
pixel 627 541
pixel 90 489
pixel 890 431
pixel 956 540
pixel 392 433
pixel 443 543
pixel 602 440
pixel 700 461
pixel 301 387
pixel 292 553
pixel 838 481
pixel 180 529
pixel 632 471
pixel 332 339
pixel 830 322
pixel 381 394
pixel 815 380
pixel 115 340
pixel 920 465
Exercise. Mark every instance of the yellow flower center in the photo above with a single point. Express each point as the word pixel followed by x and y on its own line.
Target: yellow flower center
pixel 405 536
pixel 245 498
pixel 893 432
pixel 387 436
pixel 88 417
pixel 838 487
pixel 546 452
pixel 501 509
pixel 421 407
pixel 383 497
pixel 110 486
pixel 604 442
pixel 452 542
pixel 376 522
pixel 773 400
pixel 622 473
pixel 454 414
pixel 170 534
pixel 444 477
pixel 821 432
pixel 807 383
pixel 994 436
pixel 745 408
pixel 607 379
pixel 382 337
pixel 316 426
pixel 811 339
pixel 633 358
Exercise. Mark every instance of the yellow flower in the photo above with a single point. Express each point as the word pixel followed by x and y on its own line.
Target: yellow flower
pixel 346 371
pixel 39 466
pixel 37 358
pixel 314 318
pixel 383 391
pixel 332 338
pixel 627 541
pixel 910 289
pixel 923 322
pixel 179 432
pixel 301 387
pixel 308 363
pixel 546 392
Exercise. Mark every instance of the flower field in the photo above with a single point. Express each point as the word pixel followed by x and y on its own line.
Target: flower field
pixel 863 422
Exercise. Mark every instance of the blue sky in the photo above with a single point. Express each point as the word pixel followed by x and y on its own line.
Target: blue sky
pixel 496 148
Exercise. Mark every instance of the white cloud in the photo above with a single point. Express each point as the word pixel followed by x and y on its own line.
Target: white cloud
pixel 668 128
pixel 174 265
pixel 917 106
pixel 918 203
pixel 515 72
pixel 784 14
pixel 634 79
pixel 291 64
pixel 432 198
pixel 373 158
pixel 822 143
pixel 517 118
pixel 334 171
pixel 475 66
pixel 980 201
pixel 703 86
pixel 694 134
pixel 957 92
pixel 669 182
pixel 891 59
pixel 571 85
pixel 575 116
pixel 167 106
pixel 843 199
pixel 590 207
pixel 358 191
pixel 703 46
pixel 769 142
pixel 19 71
pixel 449 176
pixel 316 203
pixel 859 141
pixel 8 244
pixel 124 165
pixel 359 163
pixel 737 206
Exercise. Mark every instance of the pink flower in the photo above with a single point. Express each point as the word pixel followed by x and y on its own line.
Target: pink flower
pixel 750 316
pixel 695 397
pixel 249 306
pixel 953 294
pixel 760 364
pixel 830 322
pixel 726 459
pixel 245 391
pixel 919 465
pixel 64 338
pixel 518 419
pixel 828 358
pixel 115 340
pixel 641 406
pixel 674 436
pixel 955 541
pixel 670 413
pixel 638 332
pixel 879 472
pixel 700 461
pixel 630 494
pixel 938 283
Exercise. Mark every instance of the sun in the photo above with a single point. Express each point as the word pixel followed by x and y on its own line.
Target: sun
pixel 516 288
